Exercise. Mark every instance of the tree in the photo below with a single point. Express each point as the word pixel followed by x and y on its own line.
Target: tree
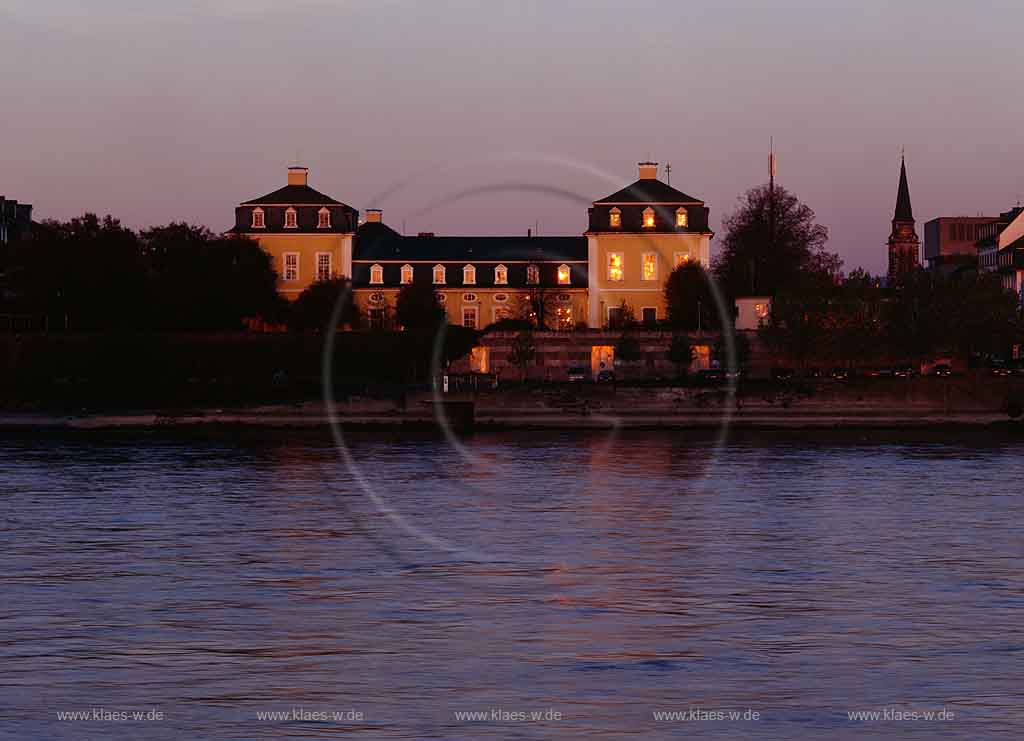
pixel 418 306
pixel 689 299
pixel 200 281
pixel 627 349
pixel 854 326
pixel 770 241
pixel 968 313
pixel 539 306
pixel 85 274
pixel 624 318
pixel 315 305
pixel 681 353
pixel 741 346
pixel 987 320
pixel 797 324
pixel 523 351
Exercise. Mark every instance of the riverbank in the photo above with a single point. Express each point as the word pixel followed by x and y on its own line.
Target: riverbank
pixel 900 404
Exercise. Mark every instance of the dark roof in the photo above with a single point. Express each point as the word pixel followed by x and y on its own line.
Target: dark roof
pixel 903 210
pixel 649 191
pixel 292 194
pixel 376 241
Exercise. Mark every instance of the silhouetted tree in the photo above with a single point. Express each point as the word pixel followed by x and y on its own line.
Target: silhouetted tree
pixel 681 353
pixel 769 242
pixel 200 281
pixel 539 306
pixel 85 274
pixel 313 308
pixel 417 305
pixel 798 322
pixel 627 349
pixel 689 298
pixel 854 325
pixel 970 312
pixel 741 346
pixel 523 351
pixel 623 318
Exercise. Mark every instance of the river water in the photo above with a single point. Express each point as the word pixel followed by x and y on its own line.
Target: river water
pixel 557 585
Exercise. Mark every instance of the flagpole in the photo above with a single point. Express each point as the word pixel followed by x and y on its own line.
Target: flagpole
pixel 771 194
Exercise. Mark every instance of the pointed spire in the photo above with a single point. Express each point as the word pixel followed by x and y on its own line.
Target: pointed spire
pixel 903 210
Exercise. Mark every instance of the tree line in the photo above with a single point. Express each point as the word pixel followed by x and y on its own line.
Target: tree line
pixel 94 274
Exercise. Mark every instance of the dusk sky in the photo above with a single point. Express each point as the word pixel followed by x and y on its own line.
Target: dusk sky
pixel 177 111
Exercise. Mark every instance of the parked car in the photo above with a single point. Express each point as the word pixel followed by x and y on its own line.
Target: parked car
pixel 812 373
pixel 783 374
pixel 711 375
pixel 606 376
pixel 942 370
pixel 883 372
pixel 579 374
pixel 840 374
pixel 999 368
pixel 904 371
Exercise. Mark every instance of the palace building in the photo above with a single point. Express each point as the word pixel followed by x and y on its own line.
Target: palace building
pixel 636 237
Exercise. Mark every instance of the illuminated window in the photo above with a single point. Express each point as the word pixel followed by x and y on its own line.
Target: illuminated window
pixel 501 276
pixel 376 274
pixel 502 312
pixel 681 258
pixel 439 275
pixel 324 219
pixel 406 274
pixel 469 314
pixel 761 310
pixel 615 218
pixel 564 276
pixel 290 219
pixel 323 266
pixel 614 266
pixel 532 274
pixel 648 218
pixel 291 266
pixel 257 219
pixel 468 275
pixel 650 266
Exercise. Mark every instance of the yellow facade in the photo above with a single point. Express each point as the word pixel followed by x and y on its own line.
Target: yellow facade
pixel 633 267
pixel 478 307
pixel 307 250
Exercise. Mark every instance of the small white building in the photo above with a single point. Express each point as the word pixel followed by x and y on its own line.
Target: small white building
pixel 752 311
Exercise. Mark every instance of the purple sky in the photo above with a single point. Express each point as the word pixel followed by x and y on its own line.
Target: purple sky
pixel 181 111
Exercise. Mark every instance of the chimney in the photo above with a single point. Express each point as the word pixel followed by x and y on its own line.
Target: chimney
pixel 648 170
pixel 298 176
pixel 373 215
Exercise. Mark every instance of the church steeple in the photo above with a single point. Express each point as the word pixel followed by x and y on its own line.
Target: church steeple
pixel 904 212
pixel 904 246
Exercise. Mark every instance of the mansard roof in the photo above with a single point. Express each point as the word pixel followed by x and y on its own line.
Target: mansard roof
pixel 291 195
pixel 376 241
pixel 649 190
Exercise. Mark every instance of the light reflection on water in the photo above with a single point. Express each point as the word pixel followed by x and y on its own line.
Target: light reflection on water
pixel 799 577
